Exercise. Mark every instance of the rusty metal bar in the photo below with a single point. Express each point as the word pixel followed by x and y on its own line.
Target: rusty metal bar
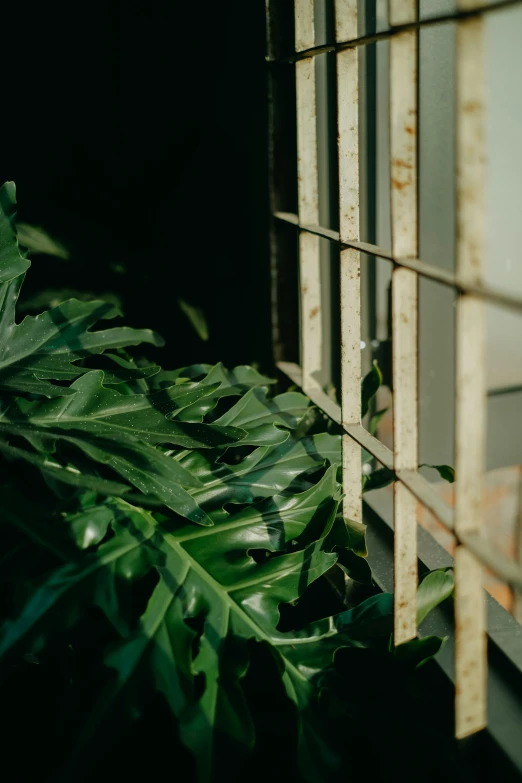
pixel 350 263
pixel 473 550
pixel 308 199
pixel 470 393
pixel 403 157
pixel 501 565
pixel 438 275
pixel 475 9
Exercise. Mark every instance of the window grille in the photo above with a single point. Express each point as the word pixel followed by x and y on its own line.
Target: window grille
pixel 465 520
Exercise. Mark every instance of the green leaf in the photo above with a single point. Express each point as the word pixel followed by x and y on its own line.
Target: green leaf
pixel 350 535
pixel 90 579
pixel 348 540
pixel 47 345
pixel 67 475
pixel 151 471
pixel 418 651
pixel 373 618
pixel 434 588
pixel 12 262
pixel 266 421
pixel 382 477
pixel 212 598
pixel 369 387
pixel 354 566
pixel 36 239
pixel 95 409
pixel 378 479
pixel 232 383
pixel 197 319
pixel 446 472
pixel 89 527
pixel 117 370
pixel 269 470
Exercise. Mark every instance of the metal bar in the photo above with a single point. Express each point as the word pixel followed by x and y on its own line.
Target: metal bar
pixel 470 396
pixel 385 35
pixel 505 568
pixel 517 595
pixel 304 25
pixel 308 200
pixel 492 295
pixel 350 263
pixel 402 12
pixel 403 157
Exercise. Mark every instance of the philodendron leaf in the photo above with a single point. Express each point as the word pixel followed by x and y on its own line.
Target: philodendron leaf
pixel 373 619
pixel 89 527
pixel 95 409
pixel 266 421
pixel 231 383
pixel 212 598
pixel 12 262
pixel 47 345
pixel 150 470
pixel 264 473
pixel 418 651
pixel 348 540
pixel 90 579
pixel 67 474
pixel 378 479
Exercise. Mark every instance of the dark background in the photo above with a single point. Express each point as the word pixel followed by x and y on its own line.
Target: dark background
pixel 136 133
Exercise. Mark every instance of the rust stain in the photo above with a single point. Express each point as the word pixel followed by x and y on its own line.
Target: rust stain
pixel 410 129
pixel 304 288
pixel 401 164
pixel 314 312
pixel 470 106
pixel 398 185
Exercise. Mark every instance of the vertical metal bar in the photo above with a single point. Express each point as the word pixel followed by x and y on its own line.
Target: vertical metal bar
pixel 304 25
pixel 350 265
pixel 403 155
pixel 402 11
pixel 307 173
pixel 470 618
pixel 517 595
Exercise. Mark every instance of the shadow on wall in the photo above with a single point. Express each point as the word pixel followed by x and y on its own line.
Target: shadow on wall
pixel 138 139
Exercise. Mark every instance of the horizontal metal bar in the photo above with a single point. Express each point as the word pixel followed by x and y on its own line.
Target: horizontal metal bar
pixel 503 567
pixel 431 272
pixel 501 390
pixel 385 35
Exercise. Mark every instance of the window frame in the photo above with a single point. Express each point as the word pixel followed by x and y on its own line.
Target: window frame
pixel 411 486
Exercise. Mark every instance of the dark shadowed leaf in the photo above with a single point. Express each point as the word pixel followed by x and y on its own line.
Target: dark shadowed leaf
pixel 12 262
pixel 369 387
